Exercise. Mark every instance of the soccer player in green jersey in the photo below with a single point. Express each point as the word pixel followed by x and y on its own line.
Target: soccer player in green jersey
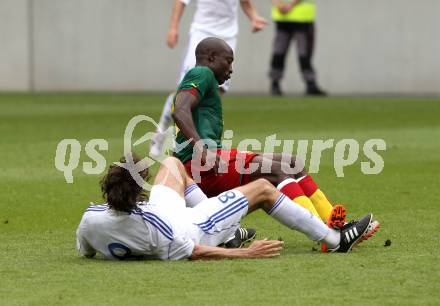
pixel 198 117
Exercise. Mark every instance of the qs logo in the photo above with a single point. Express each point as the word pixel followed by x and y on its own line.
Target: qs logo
pixel 68 152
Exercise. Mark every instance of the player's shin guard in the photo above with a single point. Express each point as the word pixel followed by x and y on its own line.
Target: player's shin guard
pixel 294 191
pixel 298 218
pixel 194 195
pixel 317 197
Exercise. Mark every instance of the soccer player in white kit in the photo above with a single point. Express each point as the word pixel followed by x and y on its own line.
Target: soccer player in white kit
pixel 180 222
pixel 212 18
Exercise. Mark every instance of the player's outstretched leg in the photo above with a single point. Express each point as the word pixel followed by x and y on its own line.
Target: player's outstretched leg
pixel 262 194
pixel 304 185
pixel 172 174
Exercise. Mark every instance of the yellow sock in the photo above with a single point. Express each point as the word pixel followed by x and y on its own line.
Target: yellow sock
pixel 291 188
pixel 307 204
pixel 321 204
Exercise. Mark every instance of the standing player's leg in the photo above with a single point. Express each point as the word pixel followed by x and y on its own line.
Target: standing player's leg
pixel 305 41
pixel 165 121
pixel 281 45
pixel 262 194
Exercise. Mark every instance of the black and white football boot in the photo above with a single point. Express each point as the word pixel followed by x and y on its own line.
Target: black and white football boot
pixel 352 233
pixel 241 237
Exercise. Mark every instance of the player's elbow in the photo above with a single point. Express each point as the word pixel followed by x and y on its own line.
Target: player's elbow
pixel 197 253
pixel 179 114
pixel 175 115
pixel 264 186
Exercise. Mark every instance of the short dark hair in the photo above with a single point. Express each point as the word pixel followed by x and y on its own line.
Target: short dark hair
pixel 120 189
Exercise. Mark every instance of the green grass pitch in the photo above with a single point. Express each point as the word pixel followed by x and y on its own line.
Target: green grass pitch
pixel 39 212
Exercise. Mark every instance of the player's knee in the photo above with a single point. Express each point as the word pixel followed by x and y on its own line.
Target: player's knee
pixel 264 185
pixel 170 160
pixel 280 172
pixel 172 163
pixel 295 168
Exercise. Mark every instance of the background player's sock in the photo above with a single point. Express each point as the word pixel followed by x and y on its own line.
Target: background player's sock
pixel 318 198
pixel 294 191
pixel 194 195
pixel 298 218
pixel 165 118
pixel 157 143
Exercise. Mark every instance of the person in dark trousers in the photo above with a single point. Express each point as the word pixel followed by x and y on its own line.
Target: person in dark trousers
pixel 294 20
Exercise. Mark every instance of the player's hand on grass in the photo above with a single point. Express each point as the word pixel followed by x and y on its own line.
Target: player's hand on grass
pixel 173 37
pixel 258 23
pixel 265 248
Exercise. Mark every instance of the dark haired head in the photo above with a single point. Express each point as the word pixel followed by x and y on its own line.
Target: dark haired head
pixel 120 189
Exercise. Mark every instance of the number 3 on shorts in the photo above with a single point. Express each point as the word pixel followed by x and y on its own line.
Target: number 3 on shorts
pixel 225 196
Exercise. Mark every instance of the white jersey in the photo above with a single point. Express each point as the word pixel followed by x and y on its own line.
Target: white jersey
pixel 144 233
pixel 162 229
pixel 217 18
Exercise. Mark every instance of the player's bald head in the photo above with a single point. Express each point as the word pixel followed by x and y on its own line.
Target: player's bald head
pixel 209 46
pixel 215 54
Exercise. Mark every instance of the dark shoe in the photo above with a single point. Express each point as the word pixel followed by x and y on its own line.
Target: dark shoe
pixel 315 91
pixel 352 233
pixel 275 89
pixel 242 236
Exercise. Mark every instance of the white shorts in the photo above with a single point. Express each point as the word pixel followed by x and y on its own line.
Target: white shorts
pixel 167 198
pixel 211 222
pixel 189 60
pixel 219 217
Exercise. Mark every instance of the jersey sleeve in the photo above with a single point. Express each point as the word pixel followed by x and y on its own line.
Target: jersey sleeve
pixel 186 2
pixel 83 247
pixel 180 248
pixel 199 81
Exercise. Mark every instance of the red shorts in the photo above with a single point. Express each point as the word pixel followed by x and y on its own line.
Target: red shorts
pixel 235 172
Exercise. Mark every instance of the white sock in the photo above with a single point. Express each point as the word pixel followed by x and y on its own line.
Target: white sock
pixel 194 195
pixel 298 218
pixel 165 119
pixel 332 239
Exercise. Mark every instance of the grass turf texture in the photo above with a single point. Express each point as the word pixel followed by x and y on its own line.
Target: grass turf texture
pixel 39 212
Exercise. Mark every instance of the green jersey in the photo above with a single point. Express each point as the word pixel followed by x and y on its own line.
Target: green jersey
pixel 207 115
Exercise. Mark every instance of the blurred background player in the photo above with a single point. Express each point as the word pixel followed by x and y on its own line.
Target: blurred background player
pixel 212 18
pixel 294 19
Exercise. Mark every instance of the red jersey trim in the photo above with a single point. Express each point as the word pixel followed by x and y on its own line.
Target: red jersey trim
pixel 192 91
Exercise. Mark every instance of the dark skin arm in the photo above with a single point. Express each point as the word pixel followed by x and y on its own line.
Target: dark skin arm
pixel 185 103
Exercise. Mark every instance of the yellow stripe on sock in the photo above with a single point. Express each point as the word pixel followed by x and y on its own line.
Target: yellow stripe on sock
pixel 321 204
pixel 307 204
